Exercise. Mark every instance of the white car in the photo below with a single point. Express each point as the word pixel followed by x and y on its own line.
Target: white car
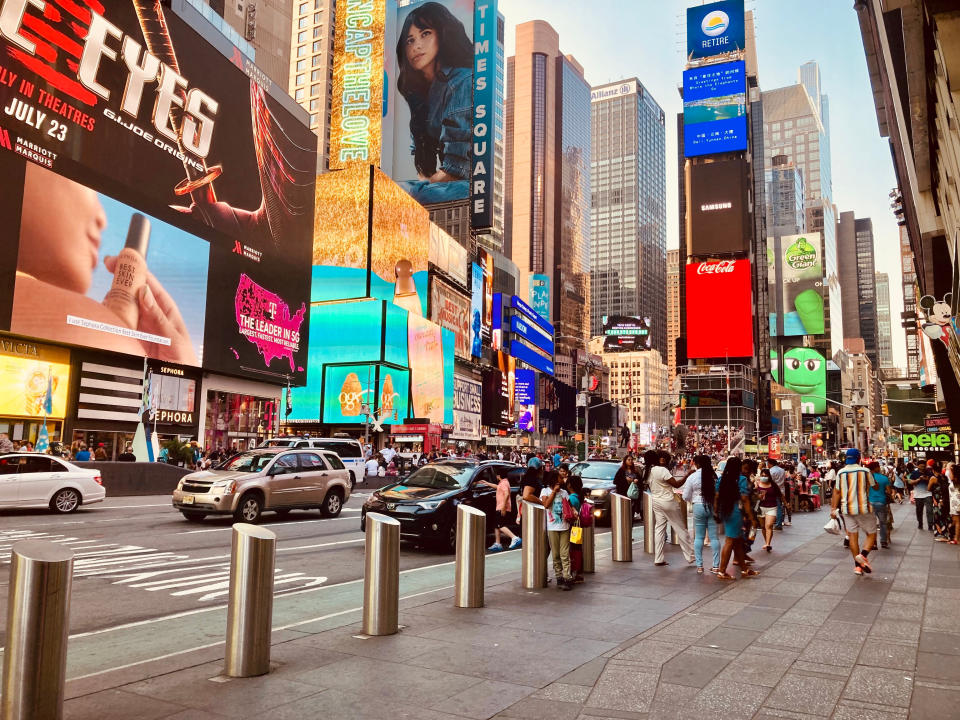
pixel 37 480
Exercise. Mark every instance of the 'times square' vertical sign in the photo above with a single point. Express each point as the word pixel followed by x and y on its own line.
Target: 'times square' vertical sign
pixel 356 110
pixel 484 84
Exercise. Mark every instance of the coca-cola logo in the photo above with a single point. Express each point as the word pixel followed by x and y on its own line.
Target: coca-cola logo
pixel 716 268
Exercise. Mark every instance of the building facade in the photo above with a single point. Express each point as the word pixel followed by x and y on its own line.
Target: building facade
pixel 310 67
pixel 628 221
pixel 884 323
pixel 638 381
pixel 673 312
pixel 548 179
pixel 785 198
pixel 857 274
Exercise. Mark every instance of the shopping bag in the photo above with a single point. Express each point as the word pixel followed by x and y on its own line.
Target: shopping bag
pixel 834 525
pixel 576 535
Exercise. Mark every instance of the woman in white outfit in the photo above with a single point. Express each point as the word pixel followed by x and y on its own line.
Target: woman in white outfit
pixel 666 509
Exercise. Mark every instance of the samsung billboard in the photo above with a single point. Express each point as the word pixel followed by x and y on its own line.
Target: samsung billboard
pixel 715 109
pixel 718 217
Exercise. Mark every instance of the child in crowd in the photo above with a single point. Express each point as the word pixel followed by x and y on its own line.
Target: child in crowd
pixel 575 488
pixel 504 506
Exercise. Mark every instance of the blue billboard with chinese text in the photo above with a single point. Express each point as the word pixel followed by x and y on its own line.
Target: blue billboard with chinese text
pixel 715 109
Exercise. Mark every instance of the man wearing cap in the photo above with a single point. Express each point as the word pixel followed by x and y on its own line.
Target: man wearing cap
pixel 922 496
pixel 851 496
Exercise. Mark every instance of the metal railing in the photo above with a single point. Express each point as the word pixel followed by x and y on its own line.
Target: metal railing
pixel 250 601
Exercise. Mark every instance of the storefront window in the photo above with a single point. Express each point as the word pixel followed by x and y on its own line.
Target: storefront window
pixel 236 422
pixel 111 443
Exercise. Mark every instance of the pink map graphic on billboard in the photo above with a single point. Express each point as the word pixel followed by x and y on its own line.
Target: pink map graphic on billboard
pixel 264 319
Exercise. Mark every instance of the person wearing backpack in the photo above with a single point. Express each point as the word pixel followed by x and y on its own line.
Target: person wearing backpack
pixel 556 500
pixel 579 504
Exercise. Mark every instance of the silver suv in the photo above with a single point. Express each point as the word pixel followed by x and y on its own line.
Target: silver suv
pixel 265 479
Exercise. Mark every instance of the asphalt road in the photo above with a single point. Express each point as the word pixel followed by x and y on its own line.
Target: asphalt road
pixel 137 558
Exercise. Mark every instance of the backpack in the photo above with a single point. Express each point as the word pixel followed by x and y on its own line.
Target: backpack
pixel 569 514
pixel 586 514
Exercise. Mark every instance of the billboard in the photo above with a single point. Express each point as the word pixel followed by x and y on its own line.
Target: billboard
pixel 496 323
pixel 476 310
pixel 349 389
pixel 625 334
pixel 451 310
pixel 715 109
pixel 357 93
pixel 525 399
pixel 448 255
pixel 531 357
pixel 715 29
pixel 229 167
pixel 498 391
pixel 805 373
pixel 354 257
pixel 485 261
pixel 484 97
pixel 26 375
pixel 540 295
pixel 467 402
pixel 795 278
pixel 718 211
pixel 719 309
pixel 531 333
pixel 425 347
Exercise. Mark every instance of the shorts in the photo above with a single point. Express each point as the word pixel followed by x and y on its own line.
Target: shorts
pixel 866 522
pixel 768 511
pixel 503 521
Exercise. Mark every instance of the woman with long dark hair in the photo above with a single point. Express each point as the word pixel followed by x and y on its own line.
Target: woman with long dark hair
pixel 626 476
pixel 731 503
pixel 700 490
pixel 666 509
pixel 435 77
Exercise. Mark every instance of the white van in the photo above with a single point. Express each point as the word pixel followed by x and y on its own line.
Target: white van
pixel 348 449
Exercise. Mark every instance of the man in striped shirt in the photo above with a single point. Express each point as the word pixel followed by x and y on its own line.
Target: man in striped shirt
pixel 850 496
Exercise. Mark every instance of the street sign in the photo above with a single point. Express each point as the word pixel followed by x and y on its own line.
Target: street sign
pixel 581 399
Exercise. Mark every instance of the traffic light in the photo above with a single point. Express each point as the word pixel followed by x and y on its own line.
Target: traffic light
pixel 885 410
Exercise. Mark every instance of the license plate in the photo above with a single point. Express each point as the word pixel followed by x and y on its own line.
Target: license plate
pixel 391 506
pixel 187 500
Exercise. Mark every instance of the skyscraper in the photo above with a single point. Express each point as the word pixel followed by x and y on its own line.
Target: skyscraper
pixel 857 275
pixel 796 124
pixel 548 178
pixel 785 198
pixel 673 311
pixel 884 323
pixel 310 67
pixel 629 215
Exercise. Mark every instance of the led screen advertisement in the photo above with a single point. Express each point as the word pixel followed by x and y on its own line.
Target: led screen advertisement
pixel 467 405
pixel 448 255
pixel 540 295
pixel 348 390
pixel 805 373
pixel 118 104
pixel 715 109
pixel 715 28
pixel 719 221
pixel 498 391
pixel 354 258
pixel 719 309
pixel 476 310
pixel 525 399
pixel 485 261
pixel 625 333
pixel 451 310
pixel 795 278
pixel 25 377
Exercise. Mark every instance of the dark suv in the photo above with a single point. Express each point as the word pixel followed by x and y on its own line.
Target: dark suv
pixel 597 476
pixel 425 502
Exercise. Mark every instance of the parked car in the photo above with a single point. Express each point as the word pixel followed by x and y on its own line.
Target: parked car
pixel 348 449
pixel 597 476
pixel 37 480
pixel 274 479
pixel 425 502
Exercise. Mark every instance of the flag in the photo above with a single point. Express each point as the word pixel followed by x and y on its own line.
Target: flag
pixel 147 405
pixel 48 398
pixel 43 440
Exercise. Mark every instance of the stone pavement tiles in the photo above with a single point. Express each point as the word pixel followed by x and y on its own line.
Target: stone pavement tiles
pixel 806 639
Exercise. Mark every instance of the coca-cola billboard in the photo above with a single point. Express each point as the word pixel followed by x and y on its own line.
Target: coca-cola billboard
pixel 719 309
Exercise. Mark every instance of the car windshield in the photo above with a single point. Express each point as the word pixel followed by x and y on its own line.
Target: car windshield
pixel 595 471
pixel 441 476
pixel 248 462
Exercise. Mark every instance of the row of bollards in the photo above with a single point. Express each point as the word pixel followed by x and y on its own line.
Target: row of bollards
pixel 34 660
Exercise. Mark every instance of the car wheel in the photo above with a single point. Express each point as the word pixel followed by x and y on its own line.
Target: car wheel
pixel 332 503
pixel 65 501
pixel 249 509
pixel 193 516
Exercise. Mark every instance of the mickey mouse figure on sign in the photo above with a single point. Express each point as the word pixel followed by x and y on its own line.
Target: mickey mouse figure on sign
pixel 940 317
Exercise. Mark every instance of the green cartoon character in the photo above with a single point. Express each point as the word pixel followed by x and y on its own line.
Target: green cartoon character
pixel 805 373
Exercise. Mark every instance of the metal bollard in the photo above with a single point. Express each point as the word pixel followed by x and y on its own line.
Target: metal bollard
pixel 381 575
pixel 250 602
pixel 471 538
pixel 621 527
pixel 38 623
pixel 589 561
pixel 649 523
pixel 674 537
pixel 533 568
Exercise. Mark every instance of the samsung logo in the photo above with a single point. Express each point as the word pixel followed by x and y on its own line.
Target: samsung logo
pixel 710 207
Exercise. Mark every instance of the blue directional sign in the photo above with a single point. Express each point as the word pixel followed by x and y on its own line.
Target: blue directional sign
pixel 531 333
pixel 531 357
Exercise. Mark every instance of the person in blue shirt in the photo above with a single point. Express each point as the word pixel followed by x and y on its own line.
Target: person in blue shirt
pixel 435 62
pixel 877 496
pixel 732 501
pixel 83 455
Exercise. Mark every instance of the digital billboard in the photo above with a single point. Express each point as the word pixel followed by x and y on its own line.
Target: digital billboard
pixel 425 346
pixel 354 258
pixel 624 333
pixel 24 379
pixel 496 325
pixel 498 391
pixel 525 398
pixel 531 357
pixel 467 405
pixel 448 255
pixel 805 373
pixel 451 310
pixel 715 28
pixel 476 310
pixel 349 389
pixel 485 261
pixel 719 309
pixel 540 295
pixel 531 333
pixel 795 279
pixel 357 93
pixel 719 222
pixel 715 109
pixel 230 166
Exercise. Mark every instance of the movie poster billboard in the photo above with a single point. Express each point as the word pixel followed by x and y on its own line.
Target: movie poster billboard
pixel 795 279
pixel 476 310
pixel 126 130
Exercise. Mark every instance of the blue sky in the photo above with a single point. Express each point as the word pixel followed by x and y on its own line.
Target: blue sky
pixel 616 39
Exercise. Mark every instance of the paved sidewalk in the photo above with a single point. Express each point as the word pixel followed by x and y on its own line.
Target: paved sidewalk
pixel 806 639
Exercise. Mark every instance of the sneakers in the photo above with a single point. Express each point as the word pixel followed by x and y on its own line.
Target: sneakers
pixel 787 523
pixel 515 543
pixel 858 571
pixel 864 563
pixel 496 547
pixel 885 545
pixel 564 584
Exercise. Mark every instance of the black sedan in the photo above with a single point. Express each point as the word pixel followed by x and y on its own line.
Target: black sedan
pixel 597 476
pixel 425 502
